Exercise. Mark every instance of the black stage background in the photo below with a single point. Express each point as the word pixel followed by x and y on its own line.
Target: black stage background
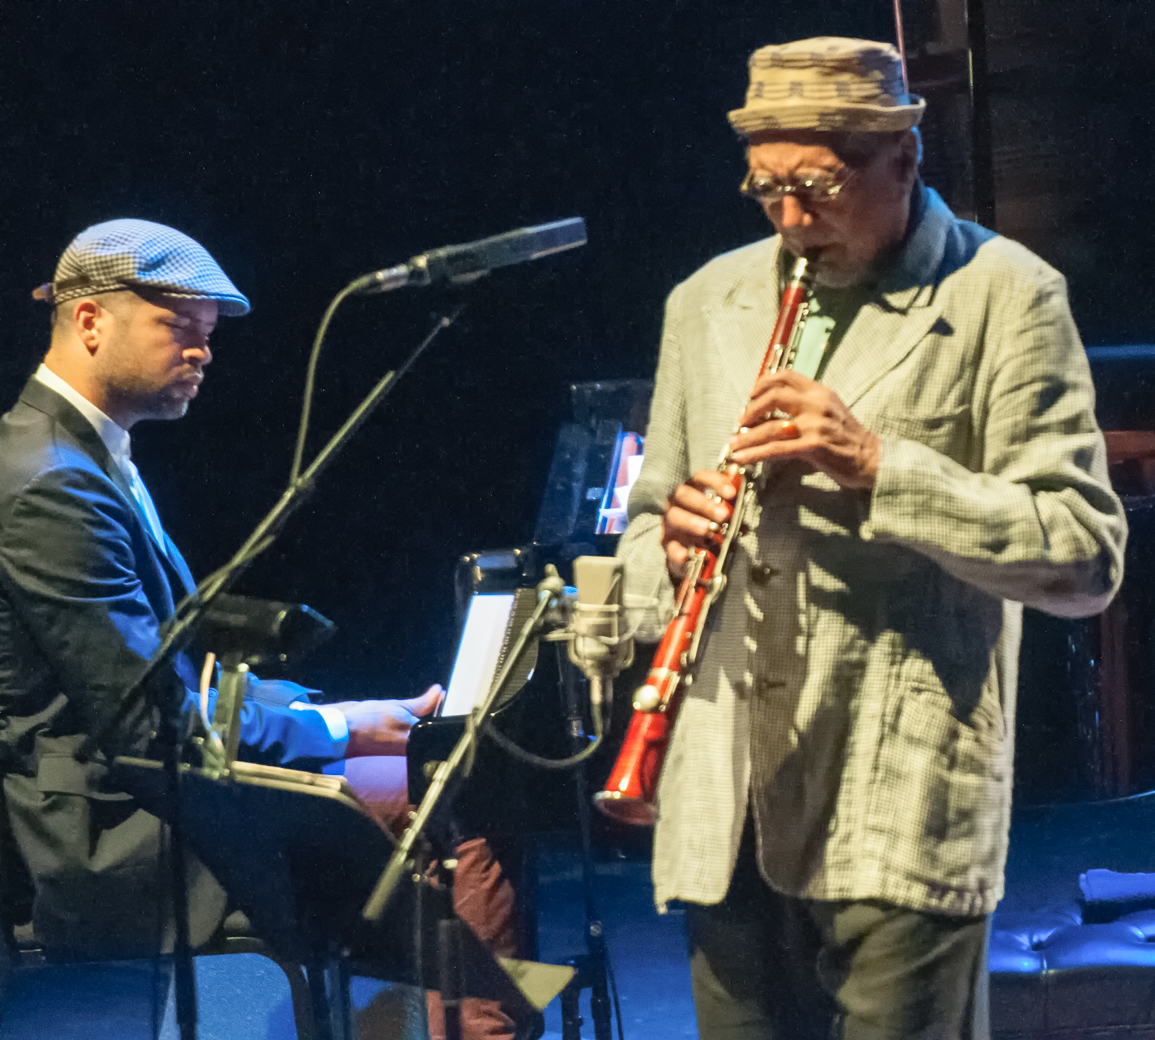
pixel 307 142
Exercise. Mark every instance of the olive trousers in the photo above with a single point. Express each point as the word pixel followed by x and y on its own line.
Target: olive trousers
pixel 765 966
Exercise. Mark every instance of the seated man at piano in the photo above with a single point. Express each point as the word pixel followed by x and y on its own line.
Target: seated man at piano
pixel 87 578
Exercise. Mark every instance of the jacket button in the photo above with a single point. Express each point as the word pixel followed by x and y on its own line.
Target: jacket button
pixel 761 573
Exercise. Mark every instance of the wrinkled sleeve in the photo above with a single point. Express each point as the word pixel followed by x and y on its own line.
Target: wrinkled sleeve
pixel 1039 522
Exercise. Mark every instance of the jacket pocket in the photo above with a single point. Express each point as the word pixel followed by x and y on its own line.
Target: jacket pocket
pixel 924 718
pixel 945 773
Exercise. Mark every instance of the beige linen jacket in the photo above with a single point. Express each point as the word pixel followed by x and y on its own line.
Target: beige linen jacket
pixel 858 688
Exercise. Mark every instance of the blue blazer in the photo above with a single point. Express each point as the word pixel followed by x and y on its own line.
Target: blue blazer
pixel 84 590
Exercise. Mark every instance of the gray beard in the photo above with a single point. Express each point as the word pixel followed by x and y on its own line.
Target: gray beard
pixel 842 279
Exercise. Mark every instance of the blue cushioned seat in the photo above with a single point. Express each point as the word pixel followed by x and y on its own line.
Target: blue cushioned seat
pixel 1054 976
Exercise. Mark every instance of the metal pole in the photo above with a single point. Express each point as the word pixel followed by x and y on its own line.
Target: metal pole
pixel 901 37
pixel 982 148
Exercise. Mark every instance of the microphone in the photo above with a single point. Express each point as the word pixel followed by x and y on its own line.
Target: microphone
pixel 597 644
pixel 457 264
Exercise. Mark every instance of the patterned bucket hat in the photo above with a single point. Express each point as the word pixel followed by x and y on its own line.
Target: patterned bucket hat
pixel 138 254
pixel 827 83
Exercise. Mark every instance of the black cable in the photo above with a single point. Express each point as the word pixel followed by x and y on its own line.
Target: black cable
pixel 218 579
pixel 311 374
pixel 508 745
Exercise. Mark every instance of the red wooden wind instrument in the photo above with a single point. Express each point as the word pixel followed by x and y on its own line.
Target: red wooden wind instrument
pixel 630 793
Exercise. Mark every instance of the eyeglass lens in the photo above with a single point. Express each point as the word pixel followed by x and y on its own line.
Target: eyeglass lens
pixel 812 189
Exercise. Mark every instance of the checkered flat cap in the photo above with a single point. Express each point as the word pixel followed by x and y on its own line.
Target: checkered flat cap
pixel 138 254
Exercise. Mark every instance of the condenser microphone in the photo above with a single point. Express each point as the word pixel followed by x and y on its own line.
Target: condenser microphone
pixel 599 644
pixel 456 264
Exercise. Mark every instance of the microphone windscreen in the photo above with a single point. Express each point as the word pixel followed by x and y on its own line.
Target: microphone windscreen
pixel 598 580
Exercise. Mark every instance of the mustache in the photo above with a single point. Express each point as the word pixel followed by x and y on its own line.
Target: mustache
pixel 813 253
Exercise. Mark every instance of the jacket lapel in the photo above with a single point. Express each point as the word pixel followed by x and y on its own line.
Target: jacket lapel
pixel 741 321
pixel 175 571
pixel 44 399
pixel 899 314
pixel 886 329
pixel 877 341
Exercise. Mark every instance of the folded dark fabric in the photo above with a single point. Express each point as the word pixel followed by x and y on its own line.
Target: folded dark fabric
pixel 1108 893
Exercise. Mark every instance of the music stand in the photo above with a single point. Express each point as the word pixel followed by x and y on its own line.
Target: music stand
pixel 299 854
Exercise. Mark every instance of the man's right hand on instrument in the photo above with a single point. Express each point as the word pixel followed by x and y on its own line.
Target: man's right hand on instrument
pixel 379 727
pixel 689 514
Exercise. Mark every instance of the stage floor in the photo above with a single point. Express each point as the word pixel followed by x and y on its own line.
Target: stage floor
pixel 245 997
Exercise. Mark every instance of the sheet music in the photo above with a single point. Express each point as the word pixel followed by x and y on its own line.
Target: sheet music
pixel 478 653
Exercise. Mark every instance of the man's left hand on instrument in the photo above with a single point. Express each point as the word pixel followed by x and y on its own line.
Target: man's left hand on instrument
pixel 820 430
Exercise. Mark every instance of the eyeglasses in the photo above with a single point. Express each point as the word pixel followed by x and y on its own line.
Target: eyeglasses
pixel 810 190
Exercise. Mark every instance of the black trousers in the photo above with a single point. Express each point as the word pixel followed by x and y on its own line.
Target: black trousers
pixel 770 967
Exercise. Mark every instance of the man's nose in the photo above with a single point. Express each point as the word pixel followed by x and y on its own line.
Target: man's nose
pixel 199 352
pixel 793 214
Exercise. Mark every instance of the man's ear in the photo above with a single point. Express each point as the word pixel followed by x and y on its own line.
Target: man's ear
pixel 88 318
pixel 909 156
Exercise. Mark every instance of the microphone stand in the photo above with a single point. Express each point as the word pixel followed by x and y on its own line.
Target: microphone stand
pixel 591 970
pixel 180 632
pixel 460 759
pixel 184 972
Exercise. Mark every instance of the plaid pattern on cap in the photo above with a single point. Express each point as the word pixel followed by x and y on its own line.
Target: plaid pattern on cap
pixel 130 254
pixel 858 690
pixel 829 83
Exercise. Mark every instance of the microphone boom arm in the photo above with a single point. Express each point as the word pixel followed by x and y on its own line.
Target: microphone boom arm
pixel 464 263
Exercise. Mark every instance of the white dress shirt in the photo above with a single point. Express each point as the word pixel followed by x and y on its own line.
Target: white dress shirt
pixel 116 440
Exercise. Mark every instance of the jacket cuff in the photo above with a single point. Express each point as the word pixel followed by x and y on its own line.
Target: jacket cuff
pixel 335 722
